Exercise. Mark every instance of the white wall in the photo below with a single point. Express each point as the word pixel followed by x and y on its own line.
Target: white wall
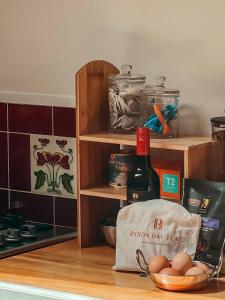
pixel 44 42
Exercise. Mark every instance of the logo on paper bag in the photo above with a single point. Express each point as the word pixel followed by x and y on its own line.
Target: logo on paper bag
pixel 158 223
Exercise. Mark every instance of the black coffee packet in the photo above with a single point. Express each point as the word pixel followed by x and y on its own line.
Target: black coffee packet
pixel 207 198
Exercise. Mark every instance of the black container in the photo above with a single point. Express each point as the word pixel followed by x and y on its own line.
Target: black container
pixel 218 135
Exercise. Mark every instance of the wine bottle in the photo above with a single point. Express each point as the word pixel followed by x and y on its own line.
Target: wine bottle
pixel 143 182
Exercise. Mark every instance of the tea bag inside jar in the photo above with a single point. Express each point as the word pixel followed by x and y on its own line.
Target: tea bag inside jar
pixel 125 104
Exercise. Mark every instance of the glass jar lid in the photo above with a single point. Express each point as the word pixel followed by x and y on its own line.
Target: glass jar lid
pixel 218 122
pixel 159 88
pixel 127 76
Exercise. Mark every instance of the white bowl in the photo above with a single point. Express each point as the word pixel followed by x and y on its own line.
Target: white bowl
pixel 109 233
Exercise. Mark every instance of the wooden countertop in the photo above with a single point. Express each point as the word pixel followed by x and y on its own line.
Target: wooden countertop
pixel 89 272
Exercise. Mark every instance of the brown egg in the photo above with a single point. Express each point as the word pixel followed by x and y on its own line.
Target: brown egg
pixel 182 262
pixel 157 263
pixel 203 266
pixel 195 271
pixel 170 271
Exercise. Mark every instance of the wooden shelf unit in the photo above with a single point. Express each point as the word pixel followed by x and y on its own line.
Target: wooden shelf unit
pixel 96 200
pixel 110 193
pixel 182 143
pixel 105 192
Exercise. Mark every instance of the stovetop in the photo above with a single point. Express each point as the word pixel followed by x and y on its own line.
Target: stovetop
pixel 18 235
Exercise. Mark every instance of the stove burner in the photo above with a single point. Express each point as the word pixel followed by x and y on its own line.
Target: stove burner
pixel 28 231
pixel 12 235
pixel 2 226
pixel 11 221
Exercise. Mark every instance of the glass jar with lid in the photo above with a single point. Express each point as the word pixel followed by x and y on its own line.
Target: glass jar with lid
pixel 160 109
pixel 218 129
pixel 125 100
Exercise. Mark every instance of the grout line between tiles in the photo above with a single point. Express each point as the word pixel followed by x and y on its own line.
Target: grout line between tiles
pixel 7 117
pixel 7 136
pixel 54 210
pixel 30 192
pixel 53 129
pixel 9 202
pixel 25 133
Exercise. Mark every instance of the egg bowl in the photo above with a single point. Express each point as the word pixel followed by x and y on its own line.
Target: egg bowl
pixel 176 283
pixel 180 283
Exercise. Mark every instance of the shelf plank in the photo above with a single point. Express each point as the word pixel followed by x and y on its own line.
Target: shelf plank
pixel 180 143
pixel 105 192
pixel 112 193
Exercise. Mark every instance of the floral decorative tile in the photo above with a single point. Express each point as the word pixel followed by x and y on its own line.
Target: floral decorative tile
pixel 53 167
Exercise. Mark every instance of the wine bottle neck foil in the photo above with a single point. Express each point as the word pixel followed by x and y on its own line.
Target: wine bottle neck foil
pixel 143 141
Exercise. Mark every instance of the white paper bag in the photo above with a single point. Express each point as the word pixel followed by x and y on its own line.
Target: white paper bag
pixel 157 227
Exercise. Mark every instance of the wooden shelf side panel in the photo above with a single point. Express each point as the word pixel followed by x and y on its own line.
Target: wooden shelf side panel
pixel 203 163
pixel 91 96
pixel 93 169
pixel 91 211
pixel 92 115
pixel 94 163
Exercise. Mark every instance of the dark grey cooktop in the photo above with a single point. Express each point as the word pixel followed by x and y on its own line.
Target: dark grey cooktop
pixel 18 236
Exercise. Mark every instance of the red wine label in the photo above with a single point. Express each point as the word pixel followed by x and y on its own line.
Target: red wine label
pixel 143 141
pixel 136 196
